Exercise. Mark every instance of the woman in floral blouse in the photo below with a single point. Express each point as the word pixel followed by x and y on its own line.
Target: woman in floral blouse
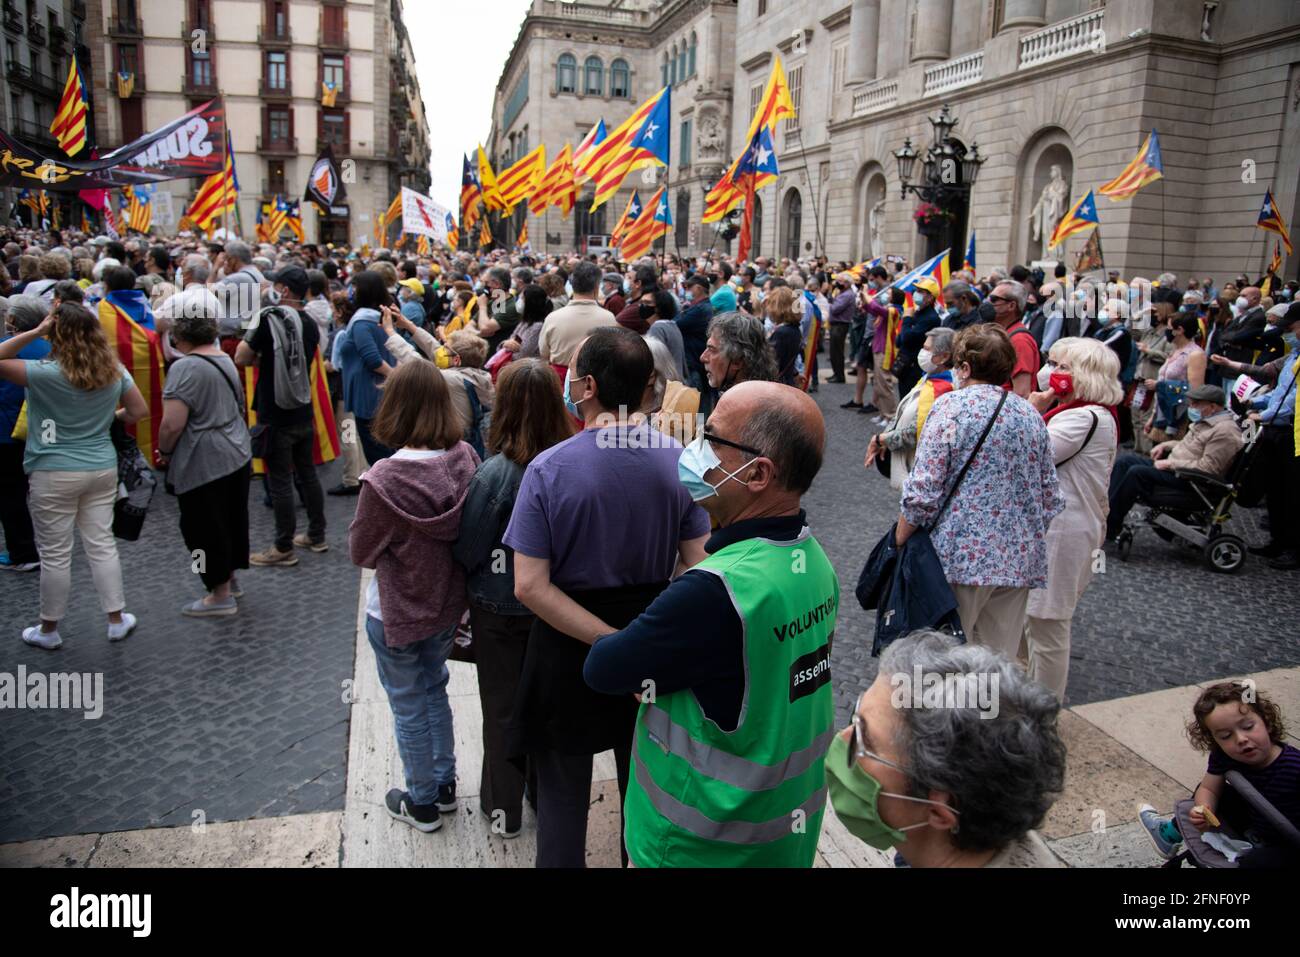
pixel 991 537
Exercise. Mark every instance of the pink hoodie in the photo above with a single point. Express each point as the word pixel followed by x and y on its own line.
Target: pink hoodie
pixel 408 518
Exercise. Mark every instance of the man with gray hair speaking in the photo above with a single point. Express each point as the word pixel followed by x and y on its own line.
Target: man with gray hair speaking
pixel 732 660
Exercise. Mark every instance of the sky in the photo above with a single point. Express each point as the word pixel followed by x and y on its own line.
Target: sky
pixel 458 76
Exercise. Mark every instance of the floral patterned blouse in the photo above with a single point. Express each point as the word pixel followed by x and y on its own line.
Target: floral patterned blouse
pixel 993 532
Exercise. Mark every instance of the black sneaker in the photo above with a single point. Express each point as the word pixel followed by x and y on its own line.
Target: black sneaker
pixel 422 817
pixel 446 799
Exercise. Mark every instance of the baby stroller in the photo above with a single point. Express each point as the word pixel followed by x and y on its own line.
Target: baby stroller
pixel 1197 515
pixel 1240 795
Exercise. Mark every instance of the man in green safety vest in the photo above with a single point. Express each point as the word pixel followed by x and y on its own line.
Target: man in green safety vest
pixel 732 661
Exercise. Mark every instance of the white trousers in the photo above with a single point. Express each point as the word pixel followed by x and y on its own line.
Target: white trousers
pixel 58 501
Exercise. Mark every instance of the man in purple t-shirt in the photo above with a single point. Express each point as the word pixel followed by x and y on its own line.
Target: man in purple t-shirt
pixel 600 525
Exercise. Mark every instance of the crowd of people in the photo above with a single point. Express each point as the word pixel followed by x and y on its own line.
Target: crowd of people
pixel 596 471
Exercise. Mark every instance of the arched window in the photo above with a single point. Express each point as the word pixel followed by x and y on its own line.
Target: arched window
pixel 672 67
pixel 594 68
pixel 691 59
pixel 793 223
pixel 620 80
pixel 566 74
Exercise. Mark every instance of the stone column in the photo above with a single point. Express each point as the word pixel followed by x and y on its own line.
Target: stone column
pixel 1024 13
pixel 864 30
pixel 932 30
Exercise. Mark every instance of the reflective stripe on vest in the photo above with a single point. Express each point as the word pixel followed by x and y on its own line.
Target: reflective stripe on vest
pixel 730 832
pixel 730 768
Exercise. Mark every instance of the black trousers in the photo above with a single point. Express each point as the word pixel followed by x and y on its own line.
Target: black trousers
pixel 563 800
pixel 1132 480
pixel 214 522
pixel 839 332
pixel 291 453
pixel 20 540
pixel 500 643
pixel 1282 471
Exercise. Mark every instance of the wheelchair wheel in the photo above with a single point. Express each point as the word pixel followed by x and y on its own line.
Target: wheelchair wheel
pixel 1226 553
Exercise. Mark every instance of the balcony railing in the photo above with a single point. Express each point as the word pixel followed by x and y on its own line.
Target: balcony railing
pixel 267 33
pixel 954 74
pixel 60 38
pixel 877 97
pixel 1065 39
pixel 36 32
pixel 32 79
pixel 125 27
pixel 288 147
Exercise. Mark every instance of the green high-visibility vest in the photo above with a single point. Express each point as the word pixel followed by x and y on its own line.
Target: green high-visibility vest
pixel 752 797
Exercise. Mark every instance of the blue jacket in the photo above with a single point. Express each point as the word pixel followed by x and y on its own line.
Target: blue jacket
pixel 489 564
pixel 11 396
pixel 908 590
pixel 361 351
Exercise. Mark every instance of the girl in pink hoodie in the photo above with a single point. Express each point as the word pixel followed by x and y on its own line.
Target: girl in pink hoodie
pixel 408 518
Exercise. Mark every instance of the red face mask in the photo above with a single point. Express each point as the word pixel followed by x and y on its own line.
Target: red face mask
pixel 1062 383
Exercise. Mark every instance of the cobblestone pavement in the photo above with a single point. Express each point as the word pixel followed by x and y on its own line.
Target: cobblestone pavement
pixel 1161 620
pixel 233 717
pixel 244 717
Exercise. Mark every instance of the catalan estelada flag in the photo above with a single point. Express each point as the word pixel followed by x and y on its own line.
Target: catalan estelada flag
pixel 453 238
pixel 1081 215
pixel 595 136
pixel 969 261
pixel 1143 170
pixel 594 161
pixel 649 145
pixel 139 350
pixel 471 195
pixel 655 221
pixel 69 126
pixel 522 179
pixel 558 186
pixel 1271 219
pixel 219 193
pixel 775 105
pixel 630 216
pixel 325 445
pixel 487 181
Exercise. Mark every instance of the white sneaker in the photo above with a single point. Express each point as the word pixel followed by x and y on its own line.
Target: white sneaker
pixel 47 640
pixel 118 632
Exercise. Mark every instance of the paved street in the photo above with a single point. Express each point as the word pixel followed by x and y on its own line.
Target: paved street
pixel 245 718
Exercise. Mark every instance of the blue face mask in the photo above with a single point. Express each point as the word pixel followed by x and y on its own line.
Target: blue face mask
pixel 696 461
pixel 568 401
pixel 1194 415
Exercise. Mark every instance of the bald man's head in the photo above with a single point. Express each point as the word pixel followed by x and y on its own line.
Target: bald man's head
pixel 781 422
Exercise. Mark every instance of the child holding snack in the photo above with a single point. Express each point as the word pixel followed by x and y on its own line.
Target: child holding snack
pixel 1242 731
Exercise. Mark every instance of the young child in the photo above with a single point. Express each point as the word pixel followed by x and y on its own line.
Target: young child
pixel 1242 731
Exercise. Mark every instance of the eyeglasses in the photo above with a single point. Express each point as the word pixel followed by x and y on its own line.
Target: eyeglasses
pixel 715 440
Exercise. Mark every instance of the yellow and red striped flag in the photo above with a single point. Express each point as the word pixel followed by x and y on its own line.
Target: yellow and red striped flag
pixel 558 187
pixel 487 181
pixel 69 126
pixel 139 350
pixel 325 446
pixel 521 180
pixel 776 105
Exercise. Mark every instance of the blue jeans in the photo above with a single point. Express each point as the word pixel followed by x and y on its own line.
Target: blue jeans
pixel 415 679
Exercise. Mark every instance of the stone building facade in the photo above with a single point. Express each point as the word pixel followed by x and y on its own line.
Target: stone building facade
pixel 1037 84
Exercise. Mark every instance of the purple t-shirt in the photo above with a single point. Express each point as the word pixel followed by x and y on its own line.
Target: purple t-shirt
pixel 1279 782
pixel 604 515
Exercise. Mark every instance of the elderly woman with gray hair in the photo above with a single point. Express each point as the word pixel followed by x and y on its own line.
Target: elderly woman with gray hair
pixel 958 779
pixel 204 435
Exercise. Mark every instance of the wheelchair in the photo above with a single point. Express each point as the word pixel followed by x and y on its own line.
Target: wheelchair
pixel 1197 516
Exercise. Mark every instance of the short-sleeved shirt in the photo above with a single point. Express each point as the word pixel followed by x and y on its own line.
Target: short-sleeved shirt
pixel 1028 358
pixel 606 508
pixel 263 344
pixel 215 440
pixel 67 427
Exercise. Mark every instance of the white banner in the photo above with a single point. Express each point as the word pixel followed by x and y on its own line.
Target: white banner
pixel 421 216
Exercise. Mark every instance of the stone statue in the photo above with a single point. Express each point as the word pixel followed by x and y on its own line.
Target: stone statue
pixel 1049 209
pixel 710 140
pixel 876 228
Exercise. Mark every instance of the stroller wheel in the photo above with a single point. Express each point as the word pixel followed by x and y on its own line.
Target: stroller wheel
pixel 1226 553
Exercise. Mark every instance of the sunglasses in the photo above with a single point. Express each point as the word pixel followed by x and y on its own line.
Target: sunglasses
pixel 715 440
